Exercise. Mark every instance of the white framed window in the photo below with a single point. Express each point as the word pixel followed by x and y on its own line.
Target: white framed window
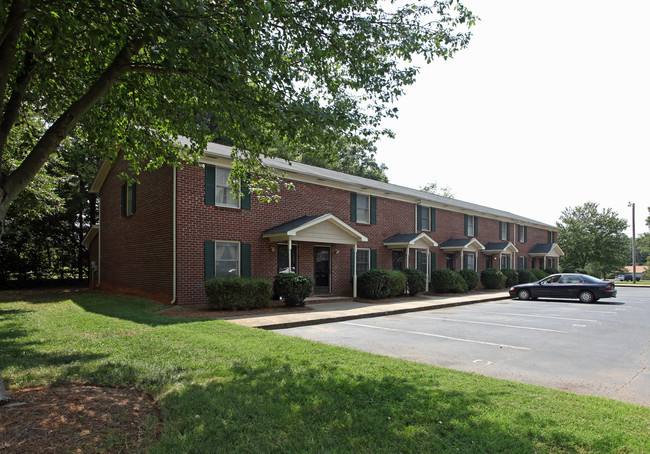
pixel 363 209
pixel 226 258
pixel 521 233
pixel 470 262
pixel 425 218
pixel 363 260
pixel 222 190
pixel 504 231
pixel 469 225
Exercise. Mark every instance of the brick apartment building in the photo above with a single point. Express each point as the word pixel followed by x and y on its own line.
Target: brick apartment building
pixel 163 237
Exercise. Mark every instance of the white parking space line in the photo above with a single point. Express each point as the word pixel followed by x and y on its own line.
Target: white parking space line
pixel 437 335
pixel 537 316
pixel 486 323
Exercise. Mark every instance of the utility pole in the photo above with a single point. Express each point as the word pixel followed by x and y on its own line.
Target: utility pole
pixel 633 245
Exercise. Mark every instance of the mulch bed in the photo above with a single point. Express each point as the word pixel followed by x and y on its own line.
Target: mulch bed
pixel 78 418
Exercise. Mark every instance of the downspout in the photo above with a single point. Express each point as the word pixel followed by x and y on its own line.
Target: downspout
pixel 174 241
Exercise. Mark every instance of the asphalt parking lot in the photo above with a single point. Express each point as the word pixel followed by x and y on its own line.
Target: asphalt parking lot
pixel 598 349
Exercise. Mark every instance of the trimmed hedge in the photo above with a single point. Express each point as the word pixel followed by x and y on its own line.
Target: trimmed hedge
pixel 471 278
pixel 550 271
pixel 238 293
pixel 374 284
pixel 525 276
pixel 443 281
pixel 292 288
pixel 461 283
pixel 493 279
pixel 538 274
pixel 396 283
pixel 512 276
pixel 416 281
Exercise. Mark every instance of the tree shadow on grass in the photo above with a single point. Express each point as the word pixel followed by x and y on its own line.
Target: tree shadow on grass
pixel 276 406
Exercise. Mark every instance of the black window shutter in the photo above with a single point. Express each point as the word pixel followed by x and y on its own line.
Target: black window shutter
pixel 433 261
pixel 433 219
pixel 550 237
pixel 466 225
pixel 475 225
pixel 501 231
pixel 353 207
pixel 419 226
pixel 210 182
pixel 508 231
pixel 373 258
pixel 352 262
pixel 246 198
pixel 208 256
pixel 373 210
pixel 525 234
pixel 245 265
pixel 123 205
pixel 133 186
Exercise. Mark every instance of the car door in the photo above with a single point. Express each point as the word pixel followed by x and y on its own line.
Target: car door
pixel 548 288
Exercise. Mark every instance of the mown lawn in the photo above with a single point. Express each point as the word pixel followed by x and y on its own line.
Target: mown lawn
pixel 225 388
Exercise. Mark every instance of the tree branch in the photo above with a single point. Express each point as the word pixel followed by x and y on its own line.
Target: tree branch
pixel 13 105
pixel 9 41
pixel 52 138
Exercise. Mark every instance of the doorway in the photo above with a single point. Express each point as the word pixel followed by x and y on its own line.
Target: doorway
pixel 322 269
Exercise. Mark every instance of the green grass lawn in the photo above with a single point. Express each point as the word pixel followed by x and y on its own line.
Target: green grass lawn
pixel 225 388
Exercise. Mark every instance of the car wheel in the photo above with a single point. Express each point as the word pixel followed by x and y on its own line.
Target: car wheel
pixel 523 295
pixel 586 297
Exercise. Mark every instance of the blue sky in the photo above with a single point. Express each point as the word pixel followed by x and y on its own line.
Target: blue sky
pixel 548 108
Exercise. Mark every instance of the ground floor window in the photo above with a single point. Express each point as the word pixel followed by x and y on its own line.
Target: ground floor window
pixel 363 260
pixel 505 262
pixel 422 261
pixel 226 259
pixel 398 260
pixel 469 262
pixel 522 263
pixel 283 258
pixel 450 261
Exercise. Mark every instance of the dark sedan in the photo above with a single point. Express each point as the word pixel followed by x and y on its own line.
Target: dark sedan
pixel 585 288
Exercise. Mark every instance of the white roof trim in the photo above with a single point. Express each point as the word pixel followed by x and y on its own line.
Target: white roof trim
pixel 554 252
pixel 421 238
pixel 293 233
pixel 473 245
pixel 510 248
pixel 90 236
pixel 102 173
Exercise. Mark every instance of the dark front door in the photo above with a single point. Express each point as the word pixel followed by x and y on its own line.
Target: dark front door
pixel 322 271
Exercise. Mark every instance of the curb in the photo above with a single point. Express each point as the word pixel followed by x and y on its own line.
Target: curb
pixel 379 313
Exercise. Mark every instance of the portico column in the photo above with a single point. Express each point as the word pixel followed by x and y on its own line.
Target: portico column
pixel 354 272
pixel 407 257
pixel 289 246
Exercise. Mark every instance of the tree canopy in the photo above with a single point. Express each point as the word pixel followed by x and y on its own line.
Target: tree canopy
pixel 433 188
pixel 591 238
pixel 134 76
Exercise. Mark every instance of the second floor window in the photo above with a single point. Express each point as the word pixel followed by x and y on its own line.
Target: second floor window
pixel 223 194
pixel 523 234
pixel 363 209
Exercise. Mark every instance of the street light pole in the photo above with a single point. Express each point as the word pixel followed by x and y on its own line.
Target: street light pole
pixel 633 245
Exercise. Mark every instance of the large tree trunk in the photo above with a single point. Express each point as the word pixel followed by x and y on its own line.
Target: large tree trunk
pixel 4 397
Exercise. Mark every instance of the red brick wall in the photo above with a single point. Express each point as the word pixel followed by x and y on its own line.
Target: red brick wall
pixel 136 251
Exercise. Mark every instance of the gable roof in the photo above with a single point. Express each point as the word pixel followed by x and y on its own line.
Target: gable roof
pixel 462 244
pixel 410 240
pixel 549 249
pixel 500 247
pixel 325 227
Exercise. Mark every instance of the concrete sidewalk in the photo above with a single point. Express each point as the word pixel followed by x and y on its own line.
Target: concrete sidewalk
pixel 324 312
